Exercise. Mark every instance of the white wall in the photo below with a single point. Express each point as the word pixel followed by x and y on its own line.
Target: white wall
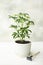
pixel 33 7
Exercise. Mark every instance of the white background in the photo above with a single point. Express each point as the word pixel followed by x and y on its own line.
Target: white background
pixel 7 46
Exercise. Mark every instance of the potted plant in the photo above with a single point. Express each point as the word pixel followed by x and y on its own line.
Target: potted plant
pixel 21 25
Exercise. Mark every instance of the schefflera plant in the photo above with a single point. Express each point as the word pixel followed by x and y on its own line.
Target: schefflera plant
pixel 23 22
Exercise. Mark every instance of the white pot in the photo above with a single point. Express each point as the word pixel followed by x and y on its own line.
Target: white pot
pixel 23 50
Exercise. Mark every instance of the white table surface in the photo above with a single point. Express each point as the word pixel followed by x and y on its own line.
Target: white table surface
pixel 8 56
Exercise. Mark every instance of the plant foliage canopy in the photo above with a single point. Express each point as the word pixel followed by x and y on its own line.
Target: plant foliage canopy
pixel 23 23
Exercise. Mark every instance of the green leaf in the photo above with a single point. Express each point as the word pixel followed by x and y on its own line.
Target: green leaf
pixel 28 23
pixel 18 33
pixel 26 32
pixel 22 35
pixel 13 17
pixel 14 34
pixel 13 26
pixel 26 15
pixel 17 20
pixel 30 31
pixel 28 36
pixel 32 22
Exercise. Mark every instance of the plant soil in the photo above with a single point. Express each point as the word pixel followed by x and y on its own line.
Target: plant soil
pixel 22 42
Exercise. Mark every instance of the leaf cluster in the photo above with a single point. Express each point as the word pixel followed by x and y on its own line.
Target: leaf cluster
pixel 23 23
